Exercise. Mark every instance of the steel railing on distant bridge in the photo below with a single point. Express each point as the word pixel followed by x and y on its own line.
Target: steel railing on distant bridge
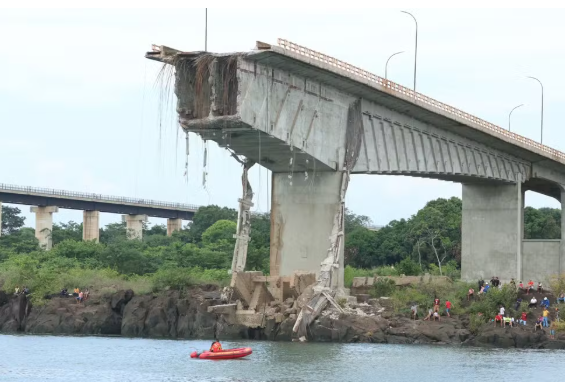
pixel 417 97
pixel 97 197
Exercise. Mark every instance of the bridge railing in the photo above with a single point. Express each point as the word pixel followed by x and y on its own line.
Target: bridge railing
pixel 418 98
pixel 98 197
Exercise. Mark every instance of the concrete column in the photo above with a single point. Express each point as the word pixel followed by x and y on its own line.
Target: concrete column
pixel 492 231
pixel 562 244
pixel 173 225
pixel 91 226
pixel 0 218
pixel 44 225
pixel 134 225
pixel 302 217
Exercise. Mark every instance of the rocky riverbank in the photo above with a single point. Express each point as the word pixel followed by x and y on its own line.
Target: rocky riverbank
pixel 185 315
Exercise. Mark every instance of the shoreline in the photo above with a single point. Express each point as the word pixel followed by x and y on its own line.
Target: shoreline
pixel 175 315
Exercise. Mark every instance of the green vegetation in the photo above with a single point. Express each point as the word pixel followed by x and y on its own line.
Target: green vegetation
pixel 429 241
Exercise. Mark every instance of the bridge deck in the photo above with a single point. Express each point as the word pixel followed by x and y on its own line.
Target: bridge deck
pixel 318 66
pixel 94 202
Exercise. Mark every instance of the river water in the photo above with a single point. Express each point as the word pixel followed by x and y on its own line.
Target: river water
pixel 78 359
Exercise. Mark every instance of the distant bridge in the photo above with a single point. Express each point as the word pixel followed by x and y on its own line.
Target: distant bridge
pixel 34 196
pixel 135 211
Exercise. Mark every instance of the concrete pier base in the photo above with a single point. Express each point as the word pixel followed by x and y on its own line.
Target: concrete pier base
pixel 134 226
pixel 44 225
pixel 303 213
pixel 91 226
pixel 173 225
pixel 492 231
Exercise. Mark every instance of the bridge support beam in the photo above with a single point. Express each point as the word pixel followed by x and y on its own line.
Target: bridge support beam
pixel 492 232
pixel 134 226
pixel 44 225
pixel 303 213
pixel 173 225
pixel 91 226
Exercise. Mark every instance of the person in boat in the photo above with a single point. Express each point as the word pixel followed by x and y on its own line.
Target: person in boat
pixel 216 346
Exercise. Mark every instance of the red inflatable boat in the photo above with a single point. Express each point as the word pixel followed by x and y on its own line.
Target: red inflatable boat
pixel 223 354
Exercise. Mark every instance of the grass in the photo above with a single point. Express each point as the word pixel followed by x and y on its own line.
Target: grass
pixel 349 273
pixel 106 282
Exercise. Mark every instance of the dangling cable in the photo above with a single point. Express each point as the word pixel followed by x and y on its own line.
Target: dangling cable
pixel 186 161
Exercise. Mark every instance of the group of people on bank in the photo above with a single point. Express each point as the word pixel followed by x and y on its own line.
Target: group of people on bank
pixel 78 294
pixel 24 290
pixel 547 319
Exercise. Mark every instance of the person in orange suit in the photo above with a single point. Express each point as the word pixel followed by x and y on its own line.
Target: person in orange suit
pixel 216 346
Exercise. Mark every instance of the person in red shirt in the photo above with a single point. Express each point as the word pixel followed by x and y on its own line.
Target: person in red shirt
pixel 530 287
pixel 436 305
pixel 447 308
pixel 498 318
pixel 524 317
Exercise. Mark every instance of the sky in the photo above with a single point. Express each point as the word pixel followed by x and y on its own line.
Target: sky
pixel 81 109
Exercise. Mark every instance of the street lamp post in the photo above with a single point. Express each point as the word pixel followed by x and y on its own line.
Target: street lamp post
pixel 415 49
pixel 533 78
pixel 509 115
pixel 386 65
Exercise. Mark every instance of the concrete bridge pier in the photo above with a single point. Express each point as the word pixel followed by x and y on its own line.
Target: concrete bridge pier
pixel 134 226
pixel 561 260
pixel 91 226
pixel 492 231
pixel 173 225
pixel 0 218
pixel 303 214
pixel 44 225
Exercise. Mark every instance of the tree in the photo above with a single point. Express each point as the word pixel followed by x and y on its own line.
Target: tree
pixel 360 248
pixel 113 232
pixel 543 223
pixel 206 216
pixel 11 220
pixel 66 231
pixel 431 229
pixel 353 221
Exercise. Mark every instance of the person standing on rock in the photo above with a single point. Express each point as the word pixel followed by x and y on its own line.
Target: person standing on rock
pixel 414 309
pixel 447 308
pixel 436 305
pixel 471 294
pixel 502 311
pixel 79 298
pixel 545 316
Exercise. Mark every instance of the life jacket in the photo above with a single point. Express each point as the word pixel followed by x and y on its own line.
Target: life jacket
pixel 216 346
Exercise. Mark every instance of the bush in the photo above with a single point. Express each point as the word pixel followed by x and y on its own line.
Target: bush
pixel 351 272
pixel 383 287
pixel 489 304
pixel 182 278
pixel 409 267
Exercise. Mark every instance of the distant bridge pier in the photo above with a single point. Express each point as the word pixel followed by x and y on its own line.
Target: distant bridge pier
pixel 44 225
pixel 134 226
pixel 91 226
pixel 173 225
